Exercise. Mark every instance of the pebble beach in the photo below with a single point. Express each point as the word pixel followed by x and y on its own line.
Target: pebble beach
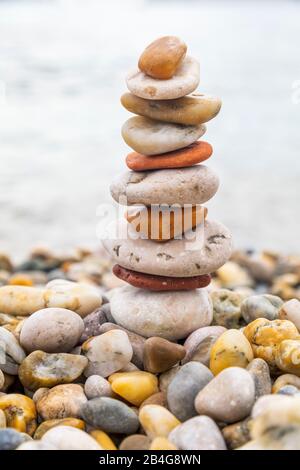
pixel 148 344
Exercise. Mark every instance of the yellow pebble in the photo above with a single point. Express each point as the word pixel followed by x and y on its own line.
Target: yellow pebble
pixel 232 349
pixel 20 412
pixel 265 335
pixel 51 423
pixel 157 421
pixel 287 356
pixel 103 439
pixel 135 386
pixel 162 443
pixel 2 419
pixel 20 280
pixel 286 379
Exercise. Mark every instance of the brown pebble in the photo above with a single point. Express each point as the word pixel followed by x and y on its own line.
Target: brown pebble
pixel 135 442
pixel 160 354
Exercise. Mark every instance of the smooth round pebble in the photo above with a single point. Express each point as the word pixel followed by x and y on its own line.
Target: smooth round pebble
pixel 51 423
pixel 260 372
pixel 199 433
pixel 184 81
pixel 157 421
pixel 261 306
pixel 229 397
pixel 61 401
pixel 10 439
pixel 150 137
pixel 166 377
pixel 134 387
pixel 107 353
pixel 199 343
pixel 184 387
pixel 136 442
pixel 97 386
pixel 69 438
pixel 169 315
pixel 290 310
pixel 160 354
pixel 194 185
pixel 110 415
pixel 51 330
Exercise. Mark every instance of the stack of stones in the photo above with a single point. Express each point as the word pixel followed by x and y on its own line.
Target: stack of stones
pixel 167 273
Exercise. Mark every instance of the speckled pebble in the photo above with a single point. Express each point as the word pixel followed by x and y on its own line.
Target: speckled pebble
pixel 199 433
pixel 261 306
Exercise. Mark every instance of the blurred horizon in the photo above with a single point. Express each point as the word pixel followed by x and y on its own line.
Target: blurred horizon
pixel 62 69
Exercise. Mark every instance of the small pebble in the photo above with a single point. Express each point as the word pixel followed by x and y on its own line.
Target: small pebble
pixel 10 439
pixel 291 311
pixel 229 397
pixel 227 308
pixel 184 387
pixel 261 306
pixel 2 419
pixel 92 323
pixel 286 379
pixel 134 387
pixel 260 372
pixel 51 330
pixel 232 275
pixel 199 433
pixel 159 398
pixel 287 356
pixel 20 412
pixel 136 442
pixel 97 386
pixel 231 349
pixel 288 390
pixel 166 377
pixel 237 434
pixel 199 343
pixel 162 443
pixel 157 421
pixel 14 354
pixel 160 354
pixel 61 401
pixel 110 415
pixel 107 353
pixel 69 438
pixel 51 423
pixel 103 439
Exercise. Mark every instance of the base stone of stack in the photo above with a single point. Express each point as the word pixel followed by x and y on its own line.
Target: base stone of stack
pixel 170 315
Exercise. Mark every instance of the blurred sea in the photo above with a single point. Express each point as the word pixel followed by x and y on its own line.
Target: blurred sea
pixel 62 69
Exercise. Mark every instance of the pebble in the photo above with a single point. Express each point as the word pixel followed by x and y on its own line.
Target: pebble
pixel 93 322
pixel 227 307
pixel 286 379
pixel 184 81
pixel 137 342
pixel 171 315
pixel 291 311
pixel 194 185
pixel 24 300
pixel 260 372
pixel 97 386
pixel 166 377
pixel 199 343
pixel 162 57
pixel 61 401
pixel 110 415
pixel 51 330
pixel 160 283
pixel 157 421
pixel 182 258
pixel 69 438
pixel 36 445
pixel 287 356
pixel 184 387
pixel 39 393
pixel 41 369
pixel 51 423
pixel 231 349
pixel 14 354
pixel 10 439
pixel 232 275
pixel 2 419
pixel 288 390
pixel 103 439
pixel 160 354
pixel 190 110
pixel 229 397
pixel 199 433
pixel 237 434
pixel 150 137
pixel 191 155
pixel 265 336
pixel 265 402
pixel 107 353
pixel 161 443
pixel 134 387
pixel 20 412
pixel 136 442
pixel 159 398
pixel 261 306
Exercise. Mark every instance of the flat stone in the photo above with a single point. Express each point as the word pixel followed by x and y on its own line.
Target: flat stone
pixel 40 369
pixel 204 253
pixel 110 415
pixel 170 315
pixel 183 389
pixel 160 283
pixel 199 433
pixel 107 353
pixel 184 81
pixel 160 354
pixel 199 343
pixel 194 185
pixel 151 137
pixel 162 57
pixel 190 110
pixel 229 397
pixel 51 330
pixel 195 153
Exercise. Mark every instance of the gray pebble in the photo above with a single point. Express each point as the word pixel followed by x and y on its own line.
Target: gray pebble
pixel 199 433
pixel 92 323
pixel 10 439
pixel 261 306
pixel 260 373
